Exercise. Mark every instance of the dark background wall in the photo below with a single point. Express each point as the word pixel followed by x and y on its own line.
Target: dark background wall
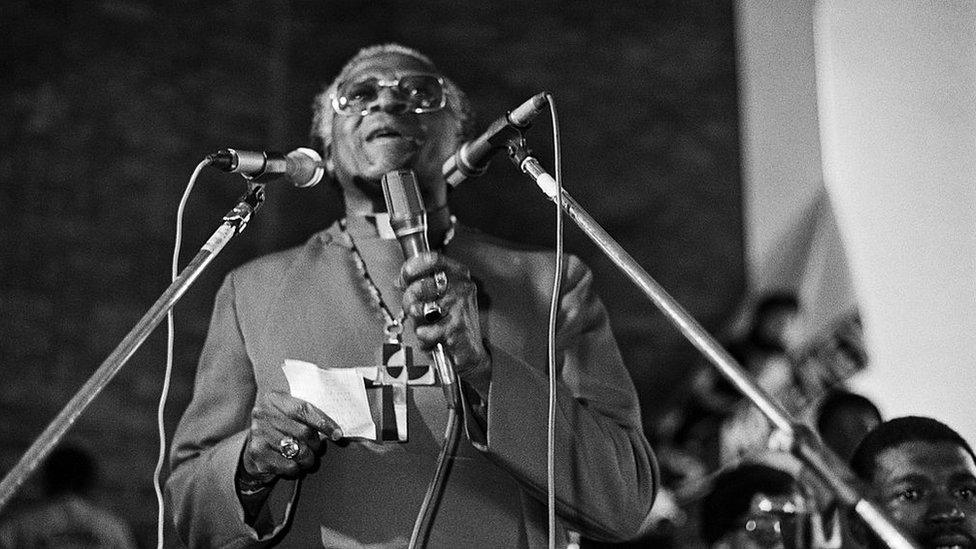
pixel 106 107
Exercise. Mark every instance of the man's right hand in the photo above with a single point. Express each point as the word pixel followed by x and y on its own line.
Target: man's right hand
pixel 275 417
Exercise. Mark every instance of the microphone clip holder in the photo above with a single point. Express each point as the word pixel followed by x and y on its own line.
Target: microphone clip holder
pixel 239 216
pixel 503 135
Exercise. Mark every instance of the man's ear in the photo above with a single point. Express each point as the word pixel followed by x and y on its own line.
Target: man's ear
pixel 325 149
pixel 329 163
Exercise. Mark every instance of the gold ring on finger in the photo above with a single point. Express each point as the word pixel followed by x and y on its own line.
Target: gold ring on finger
pixel 440 282
pixel 432 312
pixel 289 448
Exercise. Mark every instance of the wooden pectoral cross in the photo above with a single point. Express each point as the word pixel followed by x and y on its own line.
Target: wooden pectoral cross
pixel 387 387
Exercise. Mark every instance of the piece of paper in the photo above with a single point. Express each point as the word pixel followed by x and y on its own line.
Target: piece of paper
pixel 339 392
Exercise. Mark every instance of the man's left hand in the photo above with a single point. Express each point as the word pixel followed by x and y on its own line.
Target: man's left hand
pixel 459 328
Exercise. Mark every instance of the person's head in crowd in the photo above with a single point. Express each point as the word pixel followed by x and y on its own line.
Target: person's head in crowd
pixel 924 475
pixel 754 506
pixel 390 108
pixel 774 326
pixel 847 346
pixel 844 418
pixel 68 470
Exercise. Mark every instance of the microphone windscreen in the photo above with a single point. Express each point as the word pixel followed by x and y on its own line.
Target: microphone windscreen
pixel 403 200
pixel 304 167
pixel 524 114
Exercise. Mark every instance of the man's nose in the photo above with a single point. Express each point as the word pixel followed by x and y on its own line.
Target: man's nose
pixel 390 100
pixel 944 510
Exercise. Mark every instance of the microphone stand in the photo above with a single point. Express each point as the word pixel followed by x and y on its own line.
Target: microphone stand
pixel 233 223
pixel 799 439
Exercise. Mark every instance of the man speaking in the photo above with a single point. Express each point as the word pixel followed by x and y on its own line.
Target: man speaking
pixel 253 465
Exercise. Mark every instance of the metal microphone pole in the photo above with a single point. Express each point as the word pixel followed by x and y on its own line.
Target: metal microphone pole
pixel 233 223
pixel 802 443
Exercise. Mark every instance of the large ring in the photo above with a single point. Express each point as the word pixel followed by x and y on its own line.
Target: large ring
pixel 440 282
pixel 432 312
pixel 288 447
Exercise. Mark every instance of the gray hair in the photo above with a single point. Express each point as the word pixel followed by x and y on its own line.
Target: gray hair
pixel 457 100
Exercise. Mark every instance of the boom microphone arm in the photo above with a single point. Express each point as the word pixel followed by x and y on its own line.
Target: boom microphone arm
pixel 801 441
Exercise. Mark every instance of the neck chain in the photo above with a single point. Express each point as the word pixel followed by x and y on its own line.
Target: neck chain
pixel 392 325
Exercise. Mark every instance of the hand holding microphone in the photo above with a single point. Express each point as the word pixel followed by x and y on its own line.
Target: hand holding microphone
pixel 459 327
pixel 439 294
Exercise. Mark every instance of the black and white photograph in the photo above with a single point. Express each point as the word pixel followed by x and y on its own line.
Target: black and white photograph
pixel 692 274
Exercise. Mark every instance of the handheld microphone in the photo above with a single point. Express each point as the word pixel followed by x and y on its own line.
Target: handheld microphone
pixel 472 157
pixel 408 218
pixel 302 166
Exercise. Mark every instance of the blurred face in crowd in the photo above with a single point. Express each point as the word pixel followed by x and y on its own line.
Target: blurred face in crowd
pixel 382 132
pixel 781 326
pixel 929 488
pixel 847 426
pixel 773 522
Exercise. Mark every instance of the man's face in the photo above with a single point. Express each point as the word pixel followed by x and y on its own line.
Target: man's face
pixel 390 136
pixel 847 426
pixel 929 488
pixel 772 522
pixel 781 326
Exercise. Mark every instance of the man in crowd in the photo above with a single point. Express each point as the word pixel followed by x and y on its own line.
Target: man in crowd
pixel 253 465
pixel 755 506
pixel 843 419
pixel 924 476
pixel 68 515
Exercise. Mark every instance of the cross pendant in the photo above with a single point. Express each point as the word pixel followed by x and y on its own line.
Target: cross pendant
pixel 393 378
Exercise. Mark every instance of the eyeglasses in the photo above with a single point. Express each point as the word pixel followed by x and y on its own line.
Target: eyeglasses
pixel 776 521
pixel 421 93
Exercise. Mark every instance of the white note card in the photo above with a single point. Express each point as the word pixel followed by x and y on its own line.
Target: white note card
pixel 339 392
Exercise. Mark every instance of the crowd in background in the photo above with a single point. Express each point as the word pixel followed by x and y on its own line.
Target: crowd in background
pixel 727 482
pixel 730 482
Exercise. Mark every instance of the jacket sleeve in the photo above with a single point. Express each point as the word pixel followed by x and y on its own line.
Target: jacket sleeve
pixel 605 471
pixel 209 439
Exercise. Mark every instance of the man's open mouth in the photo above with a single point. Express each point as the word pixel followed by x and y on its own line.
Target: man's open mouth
pixel 387 132
pixel 384 133
pixel 950 541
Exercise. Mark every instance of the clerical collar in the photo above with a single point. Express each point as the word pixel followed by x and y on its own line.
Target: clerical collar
pixel 381 220
pixel 440 225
